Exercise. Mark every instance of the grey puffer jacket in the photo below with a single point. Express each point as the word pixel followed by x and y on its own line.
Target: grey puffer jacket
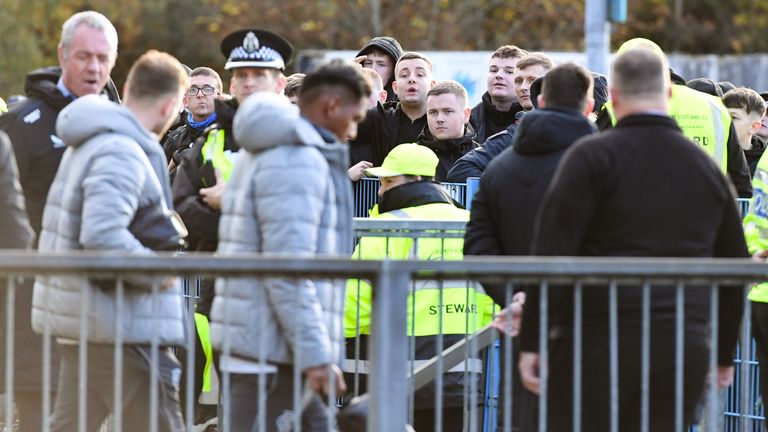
pixel 289 194
pixel 111 193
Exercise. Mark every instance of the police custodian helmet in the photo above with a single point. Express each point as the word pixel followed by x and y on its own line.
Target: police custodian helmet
pixel 256 48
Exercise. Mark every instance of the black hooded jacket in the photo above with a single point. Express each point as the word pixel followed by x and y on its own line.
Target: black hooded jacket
pixel 392 48
pixel 31 127
pixel 505 206
pixel 378 133
pixel 753 155
pixel 486 120
pixel 448 151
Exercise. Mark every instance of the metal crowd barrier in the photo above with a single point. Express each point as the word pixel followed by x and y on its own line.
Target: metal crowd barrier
pixel 389 350
pixel 366 194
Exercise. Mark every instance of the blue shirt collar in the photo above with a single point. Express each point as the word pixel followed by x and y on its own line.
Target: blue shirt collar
pixel 64 90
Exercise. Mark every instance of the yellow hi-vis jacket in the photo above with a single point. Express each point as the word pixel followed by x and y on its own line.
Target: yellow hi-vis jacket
pixel 703 119
pixel 756 223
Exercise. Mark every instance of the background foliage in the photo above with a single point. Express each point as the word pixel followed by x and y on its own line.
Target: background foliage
pixel 192 29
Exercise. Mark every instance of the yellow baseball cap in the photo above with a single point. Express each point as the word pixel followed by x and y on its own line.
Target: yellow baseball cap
pixel 407 159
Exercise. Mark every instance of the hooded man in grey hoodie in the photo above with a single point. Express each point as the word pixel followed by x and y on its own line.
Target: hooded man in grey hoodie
pixel 111 193
pixel 289 194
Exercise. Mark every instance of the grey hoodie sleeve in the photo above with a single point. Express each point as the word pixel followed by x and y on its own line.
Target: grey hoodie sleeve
pixel 15 231
pixel 289 198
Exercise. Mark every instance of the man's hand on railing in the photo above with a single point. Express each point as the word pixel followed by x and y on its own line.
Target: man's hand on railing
pixel 319 379
pixel 529 371
pixel 508 320
pixel 724 376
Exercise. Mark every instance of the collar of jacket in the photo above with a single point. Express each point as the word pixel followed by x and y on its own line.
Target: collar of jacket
pixel 633 120
pixel 758 146
pixel 549 130
pixel 41 84
pixel 505 116
pixel 414 194
pixel 453 145
pixel 225 113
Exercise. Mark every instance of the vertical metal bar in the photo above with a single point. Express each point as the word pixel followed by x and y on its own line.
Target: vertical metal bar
pixel 544 349
pixel 334 330
pixel 414 254
pixel 508 363
pixel 47 364
pixel 577 357
pixel 613 318
pixel 679 354
pixel 440 367
pixel 189 373
pixel 225 395
pixel 713 402
pixel 388 350
pixel 745 351
pixel 10 318
pixel 154 359
pixel 82 361
pixel 261 380
pixel 467 352
pixel 645 353
pixel 117 411
pixel 297 384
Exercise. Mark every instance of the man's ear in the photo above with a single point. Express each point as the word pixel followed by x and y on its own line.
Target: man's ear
pixel 383 95
pixel 282 81
pixel 394 86
pixel 590 106
pixel 467 114
pixel 756 125
pixel 331 104
pixel 540 102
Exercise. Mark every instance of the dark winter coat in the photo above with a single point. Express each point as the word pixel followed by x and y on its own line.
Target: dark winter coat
pixel 393 49
pixel 30 125
pixel 505 206
pixel 753 155
pixel 486 120
pixel 179 139
pixel 474 163
pixel 448 151
pixel 613 195
pixel 377 134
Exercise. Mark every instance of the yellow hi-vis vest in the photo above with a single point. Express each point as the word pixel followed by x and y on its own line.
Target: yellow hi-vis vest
pixel 213 150
pixel 756 223
pixel 465 306
pixel 703 119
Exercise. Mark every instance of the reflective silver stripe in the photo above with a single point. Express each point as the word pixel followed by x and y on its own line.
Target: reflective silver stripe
pixel 448 284
pixel 400 214
pixel 363 366
pixel 719 133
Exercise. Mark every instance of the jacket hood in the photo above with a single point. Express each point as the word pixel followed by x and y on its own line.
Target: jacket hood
pixel 41 84
pixel 600 91
pixel 267 120
pixel 93 115
pixel 387 44
pixel 549 130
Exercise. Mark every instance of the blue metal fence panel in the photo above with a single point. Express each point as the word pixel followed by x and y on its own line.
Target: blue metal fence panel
pixel 367 189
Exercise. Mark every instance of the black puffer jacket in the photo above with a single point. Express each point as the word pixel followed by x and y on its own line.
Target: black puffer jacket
pixel 486 120
pixel 504 208
pixel 378 133
pixel 30 125
pixel 392 48
pixel 448 151
pixel 179 139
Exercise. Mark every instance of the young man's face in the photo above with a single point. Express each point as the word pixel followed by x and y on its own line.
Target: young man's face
pixel 343 116
pixel 87 61
pixel 201 104
pixel 446 116
pixel 381 63
pixel 247 81
pixel 523 80
pixel 745 125
pixel 501 83
pixel 413 79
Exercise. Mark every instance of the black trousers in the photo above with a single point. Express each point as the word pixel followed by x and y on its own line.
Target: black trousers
pixel 595 393
pixel 760 333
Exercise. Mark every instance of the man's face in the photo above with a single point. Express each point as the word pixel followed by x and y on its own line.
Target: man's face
pixel 344 114
pixel 763 132
pixel 247 81
pixel 87 61
pixel 201 105
pixel 501 83
pixel 523 80
pixel 446 116
pixel 387 183
pixel 745 125
pixel 381 63
pixel 413 80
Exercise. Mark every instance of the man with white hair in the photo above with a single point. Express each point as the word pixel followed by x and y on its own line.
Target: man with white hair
pixel 87 52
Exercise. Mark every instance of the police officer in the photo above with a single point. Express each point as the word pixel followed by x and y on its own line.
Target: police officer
pixel 408 192
pixel 257 59
pixel 703 119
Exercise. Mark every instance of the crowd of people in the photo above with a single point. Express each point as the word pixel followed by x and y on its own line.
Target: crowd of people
pixel 648 165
